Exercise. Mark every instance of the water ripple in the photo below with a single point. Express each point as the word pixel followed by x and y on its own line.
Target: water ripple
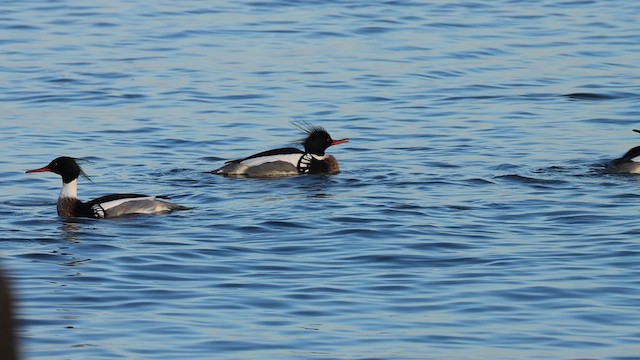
pixel 471 218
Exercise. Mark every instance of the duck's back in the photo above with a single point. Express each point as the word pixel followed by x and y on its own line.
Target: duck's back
pixel 271 163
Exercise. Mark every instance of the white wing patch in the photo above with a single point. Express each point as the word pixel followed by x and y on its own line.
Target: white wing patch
pixel 291 158
pixel 124 206
pixel 109 204
pixel 139 205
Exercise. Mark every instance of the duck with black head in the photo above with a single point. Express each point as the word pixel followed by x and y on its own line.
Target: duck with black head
pixel 108 206
pixel 289 161
pixel 626 163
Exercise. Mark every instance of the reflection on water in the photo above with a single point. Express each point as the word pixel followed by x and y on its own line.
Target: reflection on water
pixel 69 228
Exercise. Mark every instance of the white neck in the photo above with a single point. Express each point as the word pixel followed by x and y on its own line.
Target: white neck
pixel 318 157
pixel 69 190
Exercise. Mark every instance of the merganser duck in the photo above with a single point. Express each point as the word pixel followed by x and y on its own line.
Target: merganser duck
pixel 625 164
pixel 103 207
pixel 289 161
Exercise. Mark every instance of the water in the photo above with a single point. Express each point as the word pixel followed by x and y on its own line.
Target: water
pixel 470 220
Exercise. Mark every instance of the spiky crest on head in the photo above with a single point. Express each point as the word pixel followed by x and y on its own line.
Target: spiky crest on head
pixel 307 129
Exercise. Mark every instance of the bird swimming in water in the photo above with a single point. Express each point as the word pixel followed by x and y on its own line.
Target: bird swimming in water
pixel 103 207
pixel 626 163
pixel 289 161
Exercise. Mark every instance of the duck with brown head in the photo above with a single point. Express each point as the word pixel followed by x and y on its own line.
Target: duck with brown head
pixel 103 207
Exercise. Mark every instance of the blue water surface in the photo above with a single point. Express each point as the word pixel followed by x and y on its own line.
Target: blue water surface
pixel 471 219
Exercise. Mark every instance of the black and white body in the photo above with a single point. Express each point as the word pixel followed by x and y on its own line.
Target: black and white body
pixel 627 163
pixel 289 161
pixel 103 207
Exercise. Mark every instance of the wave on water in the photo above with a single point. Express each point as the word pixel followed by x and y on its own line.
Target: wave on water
pixel 600 96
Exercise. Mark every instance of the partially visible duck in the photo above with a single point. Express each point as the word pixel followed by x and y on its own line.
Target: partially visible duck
pixel 626 163
pixel 289 161
pixel 103 207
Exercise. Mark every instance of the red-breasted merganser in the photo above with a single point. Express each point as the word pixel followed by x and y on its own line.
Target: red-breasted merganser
pixel 289 161
pixel 103 207
pixel 626 163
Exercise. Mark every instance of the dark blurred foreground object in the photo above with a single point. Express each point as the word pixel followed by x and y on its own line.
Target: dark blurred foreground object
pixel 7 325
